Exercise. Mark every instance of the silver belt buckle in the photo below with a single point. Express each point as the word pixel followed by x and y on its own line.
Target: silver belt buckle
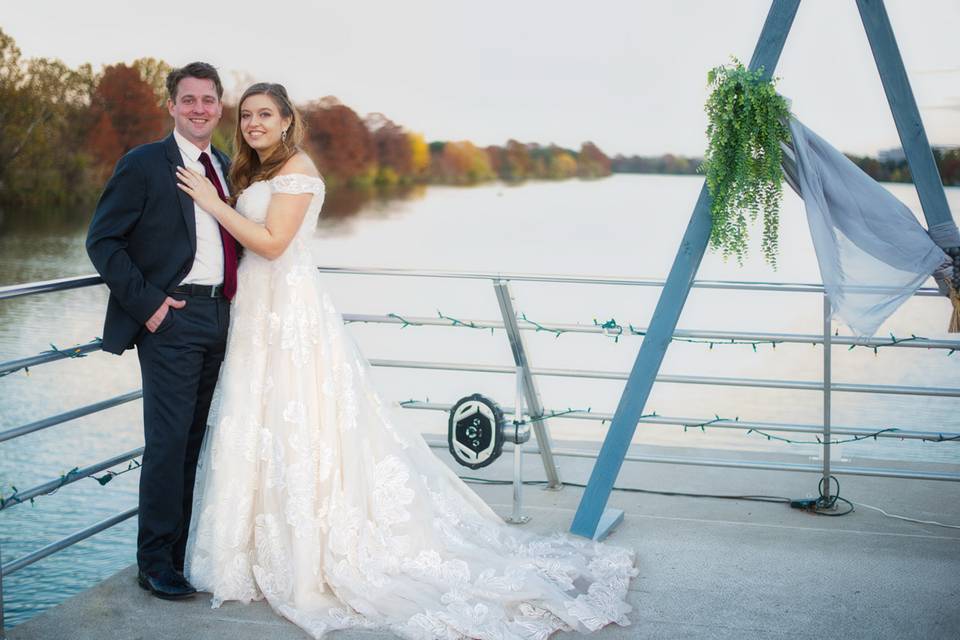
pixel 213 290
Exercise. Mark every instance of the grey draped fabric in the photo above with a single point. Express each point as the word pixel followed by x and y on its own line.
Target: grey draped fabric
pixel 872 252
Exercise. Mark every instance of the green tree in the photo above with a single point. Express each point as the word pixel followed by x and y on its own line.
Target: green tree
pixel 43 112
pixel 154 72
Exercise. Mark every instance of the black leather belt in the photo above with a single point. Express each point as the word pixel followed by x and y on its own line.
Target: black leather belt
pixel 200 290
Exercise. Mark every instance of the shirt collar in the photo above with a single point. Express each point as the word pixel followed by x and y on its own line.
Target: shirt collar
pixel 189 149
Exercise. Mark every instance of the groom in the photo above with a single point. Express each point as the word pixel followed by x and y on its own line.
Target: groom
pixel 171 270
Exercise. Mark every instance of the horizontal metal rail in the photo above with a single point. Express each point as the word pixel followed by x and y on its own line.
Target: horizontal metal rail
pixel 944 392
pixel 50 356
pixel 72 539
pixel 69 478
pixel 742 425
pixel 735 285
pixel 73 414
pixel 48 286
pixel 63 284
pixel 718 337
pixel 441 443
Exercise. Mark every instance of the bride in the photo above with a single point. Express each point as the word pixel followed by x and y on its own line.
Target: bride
pixel 307 493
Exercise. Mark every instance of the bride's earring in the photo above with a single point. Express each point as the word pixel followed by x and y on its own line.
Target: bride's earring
pixel 283 136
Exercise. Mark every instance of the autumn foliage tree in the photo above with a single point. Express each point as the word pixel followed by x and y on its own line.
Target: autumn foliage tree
pixel 517 161
pixel 561 164
pixel 43 106
pixel 592 162
pixel 512 161
pixel 394 153
pixel 419 155
pixel 460 163
pixel 339 142
pixel 124 113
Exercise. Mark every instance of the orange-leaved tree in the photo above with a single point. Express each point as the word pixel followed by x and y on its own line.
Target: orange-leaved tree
pixel 124 114
pixel 339 142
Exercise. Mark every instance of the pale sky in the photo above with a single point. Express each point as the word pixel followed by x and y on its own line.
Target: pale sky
pixel 629 75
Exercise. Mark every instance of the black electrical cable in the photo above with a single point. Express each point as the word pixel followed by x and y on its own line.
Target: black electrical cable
pixel 755 498
pixel 829 501
pixel 819 508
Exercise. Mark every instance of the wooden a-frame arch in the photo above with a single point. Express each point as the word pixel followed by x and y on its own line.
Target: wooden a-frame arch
pixel 593 519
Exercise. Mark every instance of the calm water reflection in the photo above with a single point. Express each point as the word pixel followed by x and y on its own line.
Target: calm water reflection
pixel 624 225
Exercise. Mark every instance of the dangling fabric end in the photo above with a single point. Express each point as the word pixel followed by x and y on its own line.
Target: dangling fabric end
pixel 955 315
pixel 947 237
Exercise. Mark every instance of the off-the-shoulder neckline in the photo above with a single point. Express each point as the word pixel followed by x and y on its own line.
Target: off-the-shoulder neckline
pixel 299 175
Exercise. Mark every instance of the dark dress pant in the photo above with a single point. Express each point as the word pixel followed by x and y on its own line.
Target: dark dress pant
pixel 179 364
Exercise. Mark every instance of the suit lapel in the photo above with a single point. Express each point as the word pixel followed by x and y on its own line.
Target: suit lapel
pixel 187 207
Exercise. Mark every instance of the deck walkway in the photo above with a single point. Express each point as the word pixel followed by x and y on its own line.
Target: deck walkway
pixel 708 568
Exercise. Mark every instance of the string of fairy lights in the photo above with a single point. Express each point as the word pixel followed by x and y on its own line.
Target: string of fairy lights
pixel 615 330
pixel 610 328
pixel 135 463
pixel 71 353
pixel 65 479
pixel 702 426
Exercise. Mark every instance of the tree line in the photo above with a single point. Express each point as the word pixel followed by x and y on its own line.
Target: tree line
pixel 62 130
pixel 947 160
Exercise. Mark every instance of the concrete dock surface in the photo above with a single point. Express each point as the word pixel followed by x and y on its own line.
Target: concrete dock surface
pixel 709 568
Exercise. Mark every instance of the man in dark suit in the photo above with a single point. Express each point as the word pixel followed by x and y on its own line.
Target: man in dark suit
pixel 171 271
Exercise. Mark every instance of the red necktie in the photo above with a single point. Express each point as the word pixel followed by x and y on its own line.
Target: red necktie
pixel 229 244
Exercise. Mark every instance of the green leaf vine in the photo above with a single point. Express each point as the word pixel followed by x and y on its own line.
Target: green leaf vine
pixel 747 122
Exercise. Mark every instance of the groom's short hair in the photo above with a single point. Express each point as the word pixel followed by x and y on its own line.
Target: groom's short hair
pixel 202 70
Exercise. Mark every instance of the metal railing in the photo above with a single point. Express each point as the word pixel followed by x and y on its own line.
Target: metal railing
pixel 527 374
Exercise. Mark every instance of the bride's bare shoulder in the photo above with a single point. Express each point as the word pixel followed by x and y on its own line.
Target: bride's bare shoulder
pixel 299 163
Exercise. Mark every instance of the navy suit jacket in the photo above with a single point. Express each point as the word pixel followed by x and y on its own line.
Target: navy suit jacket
pixel 143 237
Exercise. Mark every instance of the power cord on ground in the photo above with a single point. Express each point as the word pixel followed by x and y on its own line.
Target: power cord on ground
pixel 812 505
pixel 893 515
pixel 826 503
pixel 816 506
pixel 755 498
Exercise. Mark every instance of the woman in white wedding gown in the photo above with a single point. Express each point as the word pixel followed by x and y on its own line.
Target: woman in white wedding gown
pixel 309 495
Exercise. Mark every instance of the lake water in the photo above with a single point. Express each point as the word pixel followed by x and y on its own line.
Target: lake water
pixel 625 225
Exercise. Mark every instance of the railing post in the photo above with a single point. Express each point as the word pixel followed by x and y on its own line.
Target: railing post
pixel 505 299
pixel 827 382
pixel 517 517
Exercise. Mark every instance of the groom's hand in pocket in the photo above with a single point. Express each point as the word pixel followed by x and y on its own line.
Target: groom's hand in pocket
pixel 154 322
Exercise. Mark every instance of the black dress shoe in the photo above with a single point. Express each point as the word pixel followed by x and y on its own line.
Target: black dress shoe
pixel 166 584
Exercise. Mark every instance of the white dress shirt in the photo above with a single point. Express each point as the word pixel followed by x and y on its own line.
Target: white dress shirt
pixel 208 262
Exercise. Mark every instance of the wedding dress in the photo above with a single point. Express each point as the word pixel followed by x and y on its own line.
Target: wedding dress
pixel 310 496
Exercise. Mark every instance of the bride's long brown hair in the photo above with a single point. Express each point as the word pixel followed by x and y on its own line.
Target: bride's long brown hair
pixel 246 167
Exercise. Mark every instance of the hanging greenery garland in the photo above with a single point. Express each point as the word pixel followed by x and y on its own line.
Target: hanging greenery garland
pixel 747 123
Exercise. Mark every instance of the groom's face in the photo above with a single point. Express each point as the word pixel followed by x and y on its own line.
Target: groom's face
pixel 196 110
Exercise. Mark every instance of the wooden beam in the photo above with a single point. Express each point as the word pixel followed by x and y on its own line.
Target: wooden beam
pixel 913 138
pixel 665 317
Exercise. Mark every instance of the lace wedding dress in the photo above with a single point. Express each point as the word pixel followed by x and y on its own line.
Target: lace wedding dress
pixel 309 495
